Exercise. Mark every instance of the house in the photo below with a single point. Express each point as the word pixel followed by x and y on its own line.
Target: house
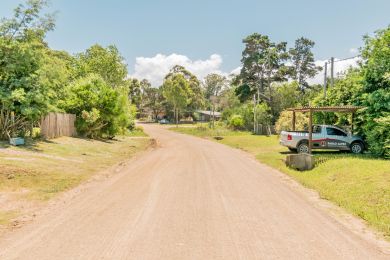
pixel 206 116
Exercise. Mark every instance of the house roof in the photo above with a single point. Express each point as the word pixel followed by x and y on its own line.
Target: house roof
pixel 209 113
pixel 342 109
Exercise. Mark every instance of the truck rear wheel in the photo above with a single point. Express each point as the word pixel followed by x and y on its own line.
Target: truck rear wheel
pixel 303 148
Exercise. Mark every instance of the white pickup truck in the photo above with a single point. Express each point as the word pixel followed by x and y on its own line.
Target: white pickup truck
pixel 323 137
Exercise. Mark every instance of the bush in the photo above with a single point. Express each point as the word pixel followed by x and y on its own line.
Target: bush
pixel 236 122
pixel 101 110
pixel 245 111
pixel 284 122
pixel 379 137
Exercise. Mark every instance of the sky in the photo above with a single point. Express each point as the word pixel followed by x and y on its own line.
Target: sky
pixel 206 35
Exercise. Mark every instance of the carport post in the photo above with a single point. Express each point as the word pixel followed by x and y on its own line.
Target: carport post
pixel 310 129
pixel 293 121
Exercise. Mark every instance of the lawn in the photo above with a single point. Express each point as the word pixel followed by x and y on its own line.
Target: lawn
pixel 42 169
pixel 358 183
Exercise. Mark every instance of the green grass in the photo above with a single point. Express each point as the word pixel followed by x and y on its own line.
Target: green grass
pixel 46 168
pixel 358 183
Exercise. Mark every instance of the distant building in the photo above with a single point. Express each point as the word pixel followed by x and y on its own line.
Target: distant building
pixel 206 116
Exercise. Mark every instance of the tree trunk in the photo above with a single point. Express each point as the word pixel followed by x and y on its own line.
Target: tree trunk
pixel 213 116
pixel 177 116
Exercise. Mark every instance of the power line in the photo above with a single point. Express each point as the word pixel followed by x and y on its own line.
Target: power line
pixel 350 58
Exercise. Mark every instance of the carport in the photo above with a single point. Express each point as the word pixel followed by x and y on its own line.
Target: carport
pixel 311 110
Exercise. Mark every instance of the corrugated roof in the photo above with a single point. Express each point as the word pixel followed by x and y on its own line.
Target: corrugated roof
pixel 209 113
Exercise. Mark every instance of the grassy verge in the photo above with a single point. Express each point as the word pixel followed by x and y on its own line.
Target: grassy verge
pixel 358 183
pixel 40 170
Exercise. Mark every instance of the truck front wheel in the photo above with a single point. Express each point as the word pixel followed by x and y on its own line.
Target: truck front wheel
pixel 356 148
pixel 303 148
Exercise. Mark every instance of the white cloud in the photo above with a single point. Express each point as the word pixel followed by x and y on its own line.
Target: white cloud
pixel 155 68
pixel 340 66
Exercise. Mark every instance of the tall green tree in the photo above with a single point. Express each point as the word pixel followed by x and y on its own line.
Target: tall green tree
pixel 303 66
pixel 177 91
pixel 263 62
pixel 196 98
pixel 376 70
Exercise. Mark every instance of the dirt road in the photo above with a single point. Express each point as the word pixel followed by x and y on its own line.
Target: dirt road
pixel 189 199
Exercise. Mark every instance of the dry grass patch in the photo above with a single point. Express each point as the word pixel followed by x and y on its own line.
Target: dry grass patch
pixel 46 168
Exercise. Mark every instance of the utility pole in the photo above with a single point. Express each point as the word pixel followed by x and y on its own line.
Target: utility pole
pixel 332 71
pixel 325 77
pixel 254 113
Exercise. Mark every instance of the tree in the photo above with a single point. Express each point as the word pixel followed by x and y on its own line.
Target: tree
pixel 27 21
pixel 177 91
pixel 20 90
pixel 154 101
pixel 376 86
pixel 106 62
pixel 23 97
pixel 302 59
pixel 135 91
pixel 196 98
pixel 262 64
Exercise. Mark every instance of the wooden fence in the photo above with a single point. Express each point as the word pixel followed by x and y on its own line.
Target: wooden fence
pixel 261 129
pixel 57 124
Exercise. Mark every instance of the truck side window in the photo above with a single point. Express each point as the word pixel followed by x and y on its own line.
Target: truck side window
pixel 316 129
pixel 334 131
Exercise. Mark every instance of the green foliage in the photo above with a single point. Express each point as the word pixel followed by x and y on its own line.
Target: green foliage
pixel 177 90
pixel 244 110
pixel 375 69
pixel 27 22
pixel 303 62
pixel 101 110
pixel 263 114
pixel 376 56
pixel 379 136
pixel 106 62
pixel 236 122
pixel 20 90
pixel 262 64
pixel 214 84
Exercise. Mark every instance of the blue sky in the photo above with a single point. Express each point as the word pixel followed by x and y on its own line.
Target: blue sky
pixel 195 30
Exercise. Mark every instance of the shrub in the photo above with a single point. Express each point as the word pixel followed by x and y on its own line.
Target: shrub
pixel 101 110
pixel 236 122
